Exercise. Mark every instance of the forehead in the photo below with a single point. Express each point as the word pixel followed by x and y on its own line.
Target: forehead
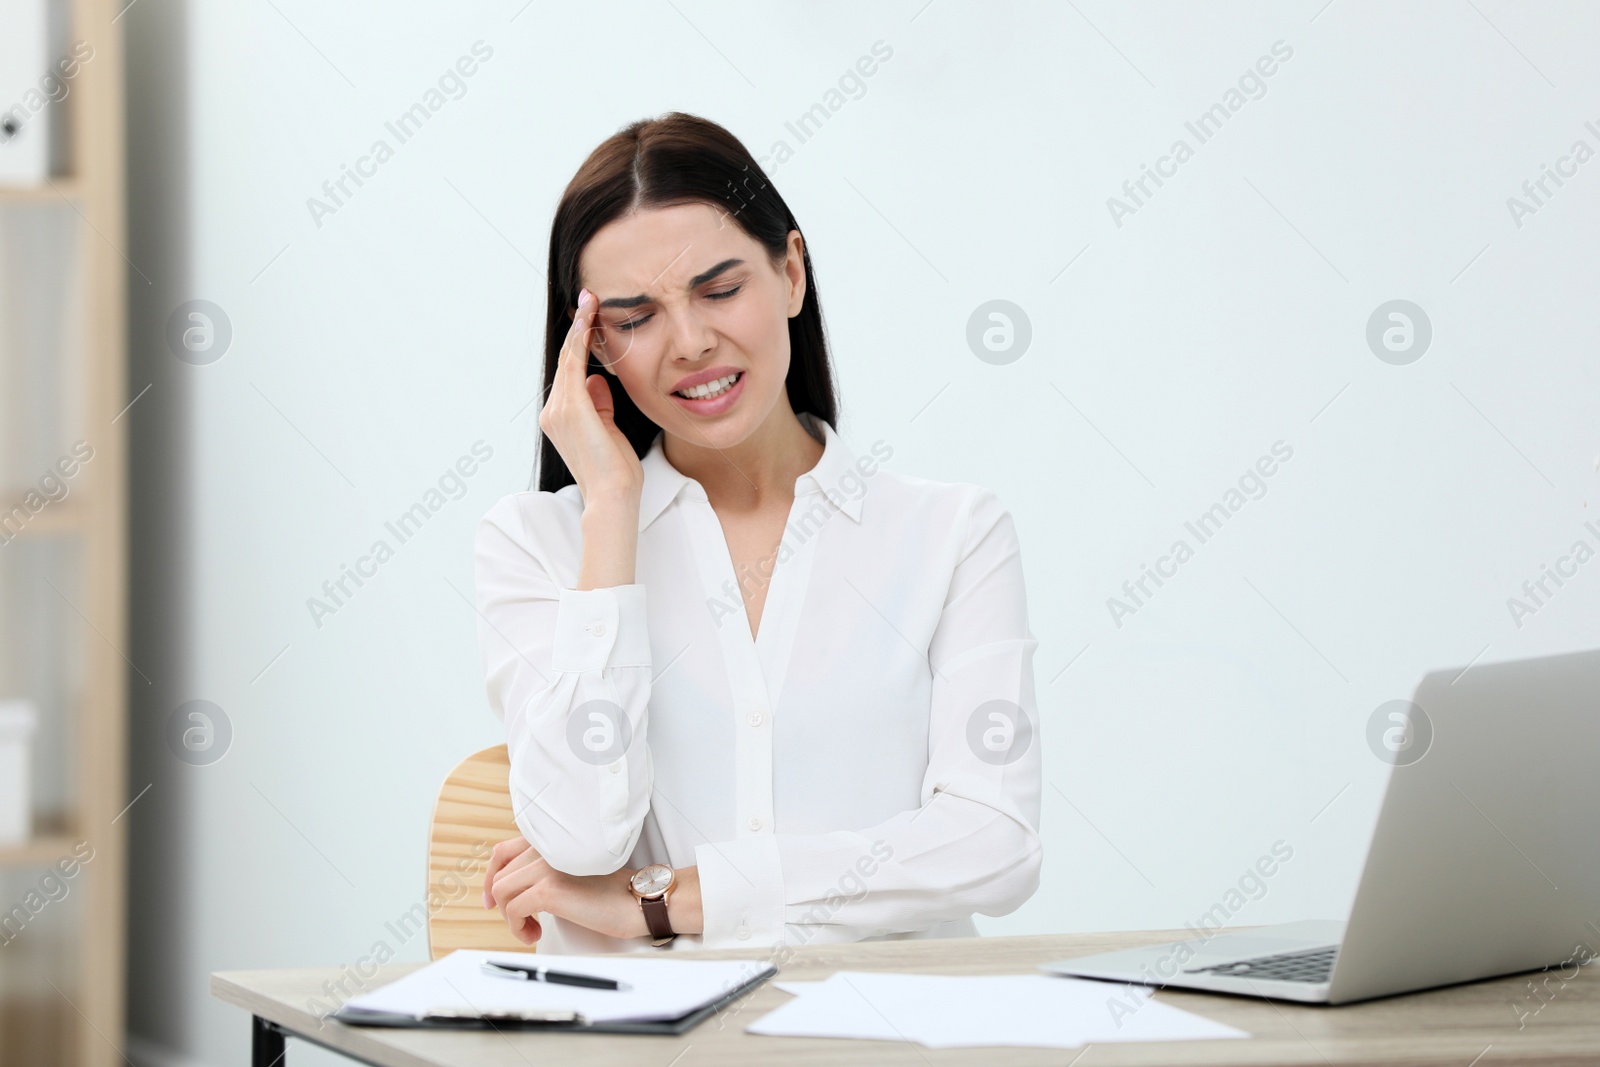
pixel 657 250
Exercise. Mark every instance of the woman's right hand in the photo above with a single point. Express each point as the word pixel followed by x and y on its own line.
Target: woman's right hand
pixel 579 417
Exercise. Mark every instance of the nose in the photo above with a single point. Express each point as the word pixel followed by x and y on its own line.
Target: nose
pixel 691 335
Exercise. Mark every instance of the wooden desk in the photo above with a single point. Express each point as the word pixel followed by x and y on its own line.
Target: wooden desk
pixel 1477 1023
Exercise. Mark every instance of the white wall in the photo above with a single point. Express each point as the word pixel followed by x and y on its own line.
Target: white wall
pixel 1227 313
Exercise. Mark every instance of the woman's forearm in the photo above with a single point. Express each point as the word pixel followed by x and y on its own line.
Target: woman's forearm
pixel 610 541
pixel 683 904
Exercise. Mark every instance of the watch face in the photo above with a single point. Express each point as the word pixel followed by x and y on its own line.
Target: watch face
pixel 648 881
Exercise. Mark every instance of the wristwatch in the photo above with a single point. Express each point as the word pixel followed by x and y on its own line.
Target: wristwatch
pixel 652 885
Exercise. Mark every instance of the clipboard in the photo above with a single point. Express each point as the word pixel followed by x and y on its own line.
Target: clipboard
pixel 554 1021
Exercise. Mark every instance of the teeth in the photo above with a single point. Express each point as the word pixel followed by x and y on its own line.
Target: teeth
pixel 709 389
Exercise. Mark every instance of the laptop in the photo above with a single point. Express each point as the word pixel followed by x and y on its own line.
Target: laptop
pixel 1483 861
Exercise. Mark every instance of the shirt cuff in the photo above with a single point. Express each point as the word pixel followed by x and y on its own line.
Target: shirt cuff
pixel 598 628
pixel 741 892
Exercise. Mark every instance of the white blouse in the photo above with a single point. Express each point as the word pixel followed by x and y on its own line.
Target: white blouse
pixel 866 767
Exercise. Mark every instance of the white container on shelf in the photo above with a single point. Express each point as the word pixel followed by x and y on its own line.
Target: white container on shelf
pixel 18 721
pixel 24 109
pixel 33 93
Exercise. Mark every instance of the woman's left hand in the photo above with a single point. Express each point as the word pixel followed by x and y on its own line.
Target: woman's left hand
pixel 522 885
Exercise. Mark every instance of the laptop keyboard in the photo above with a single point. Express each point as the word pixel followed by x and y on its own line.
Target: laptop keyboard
pixel 1310 965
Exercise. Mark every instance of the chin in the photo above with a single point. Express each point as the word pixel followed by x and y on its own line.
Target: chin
pixel 725 433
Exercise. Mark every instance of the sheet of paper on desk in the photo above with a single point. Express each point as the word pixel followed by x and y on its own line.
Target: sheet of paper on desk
pixel 662 988
pixel 942 1011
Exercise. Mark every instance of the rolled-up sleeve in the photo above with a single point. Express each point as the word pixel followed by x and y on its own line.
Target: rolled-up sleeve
pixel 973 844
pixel 568 671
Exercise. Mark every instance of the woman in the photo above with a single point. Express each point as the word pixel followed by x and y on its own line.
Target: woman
pixel 757 690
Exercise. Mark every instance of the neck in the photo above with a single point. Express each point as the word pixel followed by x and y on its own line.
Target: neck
pixel 756 471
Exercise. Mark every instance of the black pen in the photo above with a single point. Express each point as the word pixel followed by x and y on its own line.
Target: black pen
pixel 544 974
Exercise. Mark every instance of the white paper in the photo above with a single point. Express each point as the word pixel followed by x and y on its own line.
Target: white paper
pixel 941 1011
pixel 826 1009
pixel 661 988
pixel 795 988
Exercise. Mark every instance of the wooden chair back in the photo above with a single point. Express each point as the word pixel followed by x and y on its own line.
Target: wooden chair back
pixel 471 816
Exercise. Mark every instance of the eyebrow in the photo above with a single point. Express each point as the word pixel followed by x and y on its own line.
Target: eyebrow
pixel 698 279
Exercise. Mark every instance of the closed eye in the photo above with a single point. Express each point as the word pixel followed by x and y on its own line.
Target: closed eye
pixel 632 324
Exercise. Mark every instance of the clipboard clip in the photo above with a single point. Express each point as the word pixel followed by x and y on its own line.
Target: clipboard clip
pixel 529 1015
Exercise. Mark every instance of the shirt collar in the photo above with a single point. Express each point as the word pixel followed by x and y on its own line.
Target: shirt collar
pixel 835 476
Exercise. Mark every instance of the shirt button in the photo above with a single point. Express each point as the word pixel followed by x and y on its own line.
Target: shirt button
pixel 755 822
pixel 755 718
pixel 743 933
pixel 599 629
pixel 616 767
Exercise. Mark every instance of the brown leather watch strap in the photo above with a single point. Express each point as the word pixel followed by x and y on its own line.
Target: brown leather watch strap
pixel 655 917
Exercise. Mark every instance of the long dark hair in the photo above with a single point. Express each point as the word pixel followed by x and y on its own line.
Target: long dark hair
pixel 675 159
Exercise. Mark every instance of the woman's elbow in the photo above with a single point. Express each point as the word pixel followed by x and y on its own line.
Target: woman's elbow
pixel 577 858
pixel 1016 882
pixel 578 854
pixel 582 862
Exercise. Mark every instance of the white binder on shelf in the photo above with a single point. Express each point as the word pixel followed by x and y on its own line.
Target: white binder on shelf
pixel 18 721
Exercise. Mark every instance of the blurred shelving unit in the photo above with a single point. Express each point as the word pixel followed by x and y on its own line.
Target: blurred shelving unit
pixel 63 570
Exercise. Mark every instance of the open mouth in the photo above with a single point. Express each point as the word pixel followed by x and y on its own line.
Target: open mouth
pixel 710 390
